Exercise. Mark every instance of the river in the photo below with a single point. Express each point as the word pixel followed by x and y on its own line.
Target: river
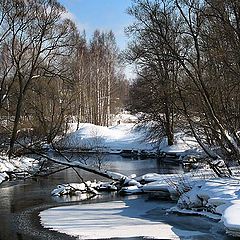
pixel 21 201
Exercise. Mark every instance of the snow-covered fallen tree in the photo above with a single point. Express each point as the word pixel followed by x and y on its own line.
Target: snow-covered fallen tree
pixel 75 188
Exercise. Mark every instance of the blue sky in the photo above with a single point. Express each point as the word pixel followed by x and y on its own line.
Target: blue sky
pixel 100 14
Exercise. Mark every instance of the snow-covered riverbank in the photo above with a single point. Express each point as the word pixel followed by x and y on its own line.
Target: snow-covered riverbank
pixel 111 139
pixel 117 219
pixel 201 193
pixel 20 165
pixel 124 134
pixel 195 194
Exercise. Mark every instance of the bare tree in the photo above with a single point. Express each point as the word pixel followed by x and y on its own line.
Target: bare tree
pixel 157 68
pixel 37 36
pixel 205 47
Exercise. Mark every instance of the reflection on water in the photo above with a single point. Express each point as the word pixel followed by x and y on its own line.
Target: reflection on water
pixel 20 202
pixel 19 199
pixel 123 165
pixel 85 196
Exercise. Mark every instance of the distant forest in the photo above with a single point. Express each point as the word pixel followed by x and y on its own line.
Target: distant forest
pixel 187 59
pixel 51 75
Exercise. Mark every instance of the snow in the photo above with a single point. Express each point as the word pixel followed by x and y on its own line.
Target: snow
pixel 124 135
pixel 231 218
pixel 192 212
pixel 214 192
pixel 199 193
pixel 182 143
pixel 216 198
pixel 74 188
pixel 196 194
pixel 219 196
pixel 6 165
pixel 124 117
pixel 20 164
pixel 115 175
pixel 134 189
pixel 114 138
pixel 3 177
pixel 117 219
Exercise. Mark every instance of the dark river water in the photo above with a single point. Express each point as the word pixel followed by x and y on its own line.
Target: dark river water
pixel 21 201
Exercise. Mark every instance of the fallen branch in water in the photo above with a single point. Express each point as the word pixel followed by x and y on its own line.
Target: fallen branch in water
pixel 76 164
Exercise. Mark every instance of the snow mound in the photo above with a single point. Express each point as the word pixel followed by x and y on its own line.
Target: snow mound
pixel 219 196
pixel 118 137
pixel 183 145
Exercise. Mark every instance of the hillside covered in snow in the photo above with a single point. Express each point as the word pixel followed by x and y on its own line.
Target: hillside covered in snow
pixel 123 134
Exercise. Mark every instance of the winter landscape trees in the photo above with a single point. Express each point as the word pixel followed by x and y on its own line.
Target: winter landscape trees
pixel 61 92
pixel 50 74
pixel 186 53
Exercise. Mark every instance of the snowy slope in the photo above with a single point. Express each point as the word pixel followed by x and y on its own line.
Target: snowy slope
pixel 121 136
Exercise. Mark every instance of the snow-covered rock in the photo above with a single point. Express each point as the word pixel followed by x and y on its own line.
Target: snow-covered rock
pixel 75 188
